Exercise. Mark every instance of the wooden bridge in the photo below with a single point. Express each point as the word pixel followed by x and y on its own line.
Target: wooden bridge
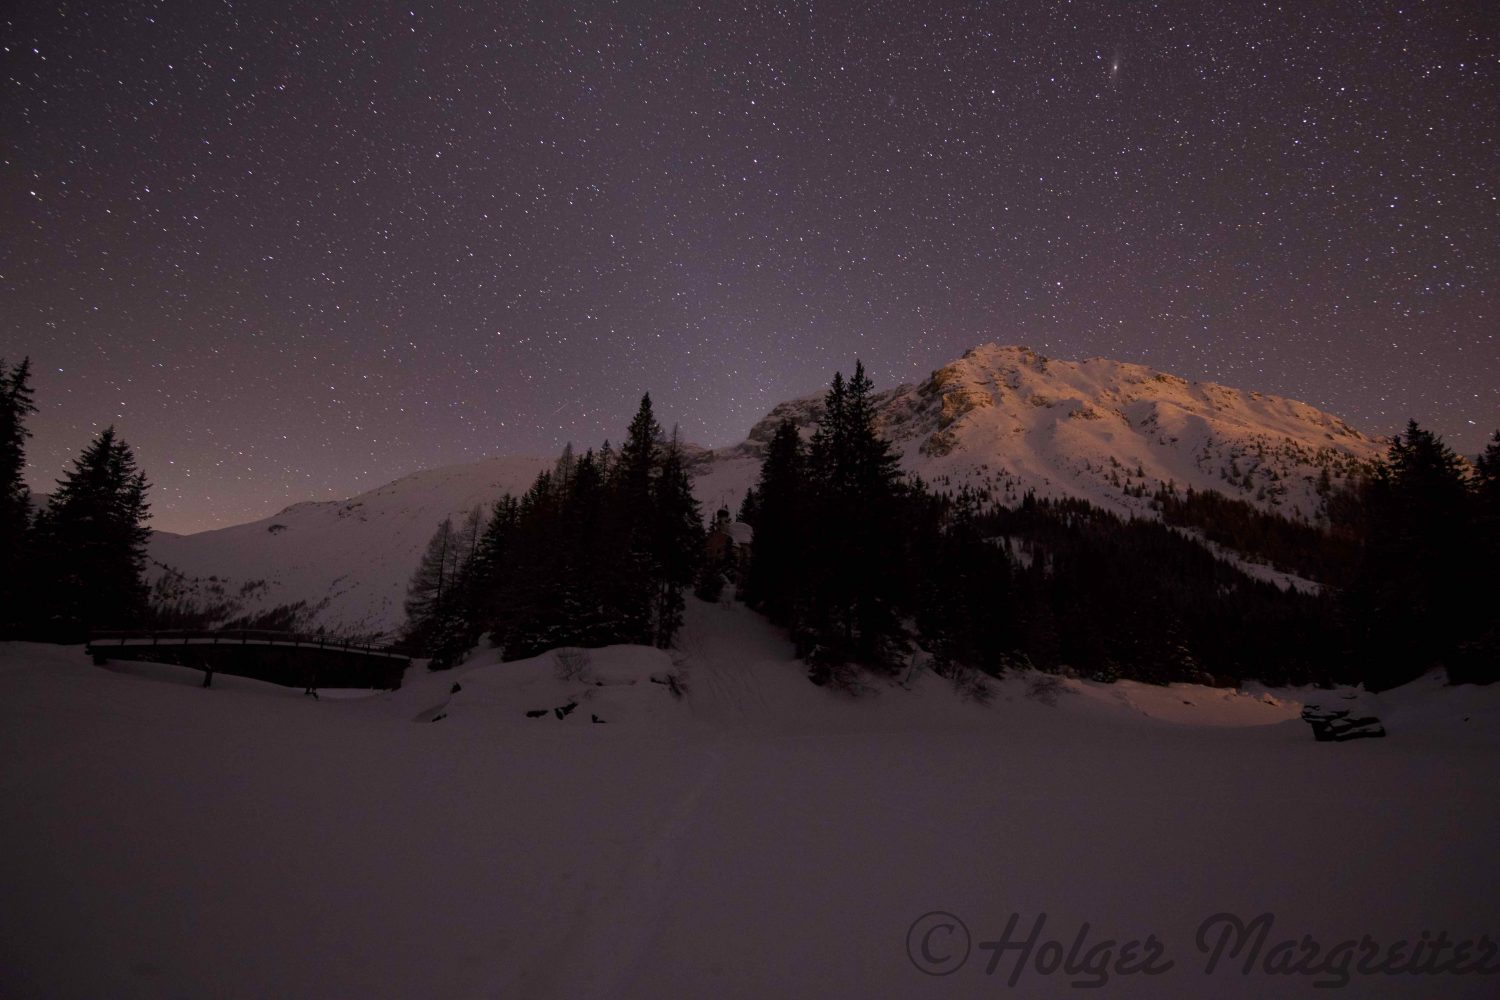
pixel 305 661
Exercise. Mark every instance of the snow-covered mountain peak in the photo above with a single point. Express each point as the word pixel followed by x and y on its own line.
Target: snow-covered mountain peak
pixel 1011 420
pixel 1016 378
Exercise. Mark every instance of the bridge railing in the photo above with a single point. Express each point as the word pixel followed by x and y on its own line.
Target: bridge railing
pixel 247 637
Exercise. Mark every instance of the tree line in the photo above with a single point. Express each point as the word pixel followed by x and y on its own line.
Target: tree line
pixel 864 567
pixel 1423 589
pixel 76 562
pixel 597 551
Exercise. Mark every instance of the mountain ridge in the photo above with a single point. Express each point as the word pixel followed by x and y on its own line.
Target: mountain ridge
pixel 1002 420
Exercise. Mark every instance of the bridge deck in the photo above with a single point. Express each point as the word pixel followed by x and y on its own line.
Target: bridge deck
pixel 307 661
pixel 99 641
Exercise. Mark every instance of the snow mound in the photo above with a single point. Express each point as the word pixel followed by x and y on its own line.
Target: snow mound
pixel 635 686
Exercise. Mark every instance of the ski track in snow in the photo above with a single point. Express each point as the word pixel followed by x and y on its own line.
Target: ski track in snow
pixel 621 913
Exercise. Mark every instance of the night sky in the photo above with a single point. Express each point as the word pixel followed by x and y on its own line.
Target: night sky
pixel 293 251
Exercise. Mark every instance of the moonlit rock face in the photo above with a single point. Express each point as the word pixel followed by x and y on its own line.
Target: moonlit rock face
pixel 1011 420
pixel 1005 420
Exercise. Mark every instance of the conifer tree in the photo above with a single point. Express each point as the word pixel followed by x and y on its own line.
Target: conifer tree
pixel 826 457
pixel 749 507
pixel 16 595
pixel 853 584
pixel 1416 579
pixel 431 590
pixel 586 553
pixel 94 535
pixel 528 590
pixel 1480 660
pixel 639 453
pixel 1487 478
pixel 15 406
pixel 873 468
pixel 495 548
pixel 772 582
pixel 633 577
pixel 874 479
pixel 454 627
pixel 677 542
pixel 597 551
pixel 606 460
pixel 963 584
pixel 870 570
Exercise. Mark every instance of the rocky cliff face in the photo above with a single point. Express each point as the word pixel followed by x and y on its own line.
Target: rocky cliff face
pixel 1009 420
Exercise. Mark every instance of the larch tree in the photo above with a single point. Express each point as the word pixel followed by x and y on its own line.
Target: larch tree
pixel 433 586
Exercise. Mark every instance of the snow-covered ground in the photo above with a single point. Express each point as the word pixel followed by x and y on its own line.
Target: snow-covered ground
pixel 757 837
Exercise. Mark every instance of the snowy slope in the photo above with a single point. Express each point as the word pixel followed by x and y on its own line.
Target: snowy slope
pixel 356 555
pixel 1001 418
pixel 758 837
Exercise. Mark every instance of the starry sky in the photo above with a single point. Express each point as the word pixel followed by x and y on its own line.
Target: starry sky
pixel 295 250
